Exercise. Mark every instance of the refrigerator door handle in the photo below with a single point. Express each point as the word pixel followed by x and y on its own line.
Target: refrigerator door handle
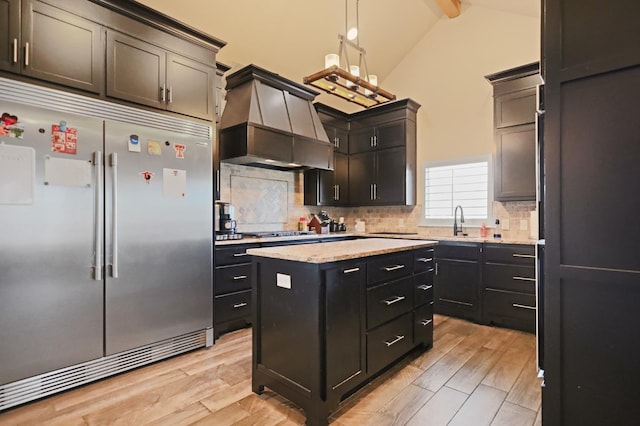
pixel 114 218
pixel 97 220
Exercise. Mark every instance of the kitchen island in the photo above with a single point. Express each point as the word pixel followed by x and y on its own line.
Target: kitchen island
pixel 329 317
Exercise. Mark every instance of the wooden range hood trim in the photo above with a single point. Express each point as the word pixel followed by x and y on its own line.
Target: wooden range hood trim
pixel 451 8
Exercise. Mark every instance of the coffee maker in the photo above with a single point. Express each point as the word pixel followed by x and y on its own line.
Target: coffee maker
pixel 225 222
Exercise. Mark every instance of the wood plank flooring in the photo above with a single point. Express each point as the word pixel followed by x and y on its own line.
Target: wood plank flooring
pixel 474 375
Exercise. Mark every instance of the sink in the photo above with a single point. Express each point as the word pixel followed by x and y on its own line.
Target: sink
pixel 393 233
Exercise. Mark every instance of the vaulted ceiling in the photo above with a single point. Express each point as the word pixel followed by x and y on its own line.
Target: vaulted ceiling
pixel 291 37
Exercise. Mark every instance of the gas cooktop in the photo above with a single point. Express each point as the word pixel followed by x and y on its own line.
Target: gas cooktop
pixel 267 234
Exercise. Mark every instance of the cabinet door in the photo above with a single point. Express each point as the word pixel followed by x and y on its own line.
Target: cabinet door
pixel 136 71
pixel 326 188
pixel 61 47
pixel 341 178
pixel 190 87
pixel 456 288
pixel 361 178
pixel 341 140
pixel 344 318
pixel 515 108
pixel 361 140
pixel 390 166
pixel 390 134
pixel 10 35
pixel 515 172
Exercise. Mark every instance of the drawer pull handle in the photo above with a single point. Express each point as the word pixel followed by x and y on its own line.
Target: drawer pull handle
pixel 425 323
pixel 394 300
pixel 425 259
pixel 526 256
pixel 517 305
pixel 240 277
pixel 240 254
pixel 393 268
pixel 394 341
pixel 424 287
pixel 350 271
pixel 239 305
pixel 524 279
pixel 456 302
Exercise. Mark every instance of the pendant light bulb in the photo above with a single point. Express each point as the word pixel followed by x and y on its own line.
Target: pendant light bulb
pixel 352 34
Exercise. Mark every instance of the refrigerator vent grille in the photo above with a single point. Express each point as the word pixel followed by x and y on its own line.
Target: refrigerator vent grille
pixel 44 97
pixel 26 390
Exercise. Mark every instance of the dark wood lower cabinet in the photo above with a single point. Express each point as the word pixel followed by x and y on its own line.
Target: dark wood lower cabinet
pixel 322 331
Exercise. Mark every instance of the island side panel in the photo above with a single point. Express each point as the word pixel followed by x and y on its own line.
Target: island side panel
pixel 286 332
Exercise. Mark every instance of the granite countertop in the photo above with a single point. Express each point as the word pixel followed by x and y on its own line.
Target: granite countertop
pixel 470 239
pixel 339 250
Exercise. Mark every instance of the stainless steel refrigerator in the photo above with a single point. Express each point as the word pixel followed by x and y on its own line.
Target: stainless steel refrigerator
pixel 105 239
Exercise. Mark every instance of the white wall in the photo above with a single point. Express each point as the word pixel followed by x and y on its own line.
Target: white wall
pixel 445 74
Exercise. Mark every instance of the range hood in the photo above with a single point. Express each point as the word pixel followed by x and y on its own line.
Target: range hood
pixel 270 121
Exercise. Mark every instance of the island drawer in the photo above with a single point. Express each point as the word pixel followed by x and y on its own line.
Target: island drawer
pixel 232 278
pixel 423 260
pixel 510 277
pixel 423 325
pixel 388 301
pixel 510 253
pixel 422 288
pixel 389 267
pixel 230 255
pixel 232 306
pixel 389 342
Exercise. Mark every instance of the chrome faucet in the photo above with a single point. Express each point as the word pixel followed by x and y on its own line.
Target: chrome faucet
pixel 457 230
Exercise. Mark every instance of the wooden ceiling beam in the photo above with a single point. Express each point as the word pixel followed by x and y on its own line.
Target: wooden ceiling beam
pixel 451 8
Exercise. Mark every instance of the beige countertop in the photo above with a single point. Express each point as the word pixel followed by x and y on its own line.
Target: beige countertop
pixel 405 236
pixel 340 250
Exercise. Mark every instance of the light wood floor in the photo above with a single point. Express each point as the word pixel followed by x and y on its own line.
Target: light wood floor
pixel 474 375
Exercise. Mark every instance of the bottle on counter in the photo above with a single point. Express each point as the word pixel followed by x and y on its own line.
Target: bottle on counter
pixel 483 230
pixel 496 230
pixel 302 223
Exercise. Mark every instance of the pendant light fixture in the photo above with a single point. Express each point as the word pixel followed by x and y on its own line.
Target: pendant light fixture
pixel 346 79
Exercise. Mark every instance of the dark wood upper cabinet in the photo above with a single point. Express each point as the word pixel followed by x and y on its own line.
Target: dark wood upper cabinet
pixel 146 74
pixel 10 40
pixel 190 87
pixel 136 70
pixel 515 177
pixel 514 97
pixel 41 41
pixel 150 60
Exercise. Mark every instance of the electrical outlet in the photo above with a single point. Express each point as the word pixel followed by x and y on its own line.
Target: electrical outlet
pixel 504 223
pixel 524 224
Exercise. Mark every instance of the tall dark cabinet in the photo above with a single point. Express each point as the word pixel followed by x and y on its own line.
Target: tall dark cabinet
pixel 591 67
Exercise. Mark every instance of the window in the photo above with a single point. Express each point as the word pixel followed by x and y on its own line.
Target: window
pixel 464 182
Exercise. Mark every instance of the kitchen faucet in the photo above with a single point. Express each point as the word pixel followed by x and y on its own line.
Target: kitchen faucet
pixel 457 230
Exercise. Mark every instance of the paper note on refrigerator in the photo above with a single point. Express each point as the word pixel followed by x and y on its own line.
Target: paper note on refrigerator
pixel 67 172
pixel 174 183
pixel 17 174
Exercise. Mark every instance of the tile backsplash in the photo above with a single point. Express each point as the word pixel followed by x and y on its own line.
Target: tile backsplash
pixel 268 200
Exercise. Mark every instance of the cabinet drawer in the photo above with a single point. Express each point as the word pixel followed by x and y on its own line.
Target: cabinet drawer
pixel 389 342
pixel 387 268
pixel 511 309
pixel 232 278
pixel 233 254
pixel 458 251
pixel 423 260
pixel 510 277
pixel 423 325
pixel 389 300
pixel 232 306
pixel 422 288
pixel 516 254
